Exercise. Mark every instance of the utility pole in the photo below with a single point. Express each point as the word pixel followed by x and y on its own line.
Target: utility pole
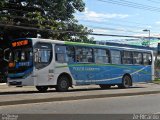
pixel 147 30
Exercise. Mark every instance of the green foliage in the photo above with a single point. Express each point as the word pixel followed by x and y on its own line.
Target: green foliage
pixel 156 81
pixel 49 18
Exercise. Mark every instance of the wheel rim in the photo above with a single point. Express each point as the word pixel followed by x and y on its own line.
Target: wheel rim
pixel 64 84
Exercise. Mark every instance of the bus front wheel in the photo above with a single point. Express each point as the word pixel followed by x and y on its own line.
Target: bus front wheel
pixel 126 82
pixel 62 84
pixel 42 88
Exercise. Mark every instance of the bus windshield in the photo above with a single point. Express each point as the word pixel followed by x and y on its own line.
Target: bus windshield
pixel 21 57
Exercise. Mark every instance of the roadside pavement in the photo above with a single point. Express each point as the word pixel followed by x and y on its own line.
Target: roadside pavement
pixel 2 84
pixel 26 95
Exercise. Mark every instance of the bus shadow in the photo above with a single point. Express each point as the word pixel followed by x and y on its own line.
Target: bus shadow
pixel 109 89
pixel 53 90
pixel 18 92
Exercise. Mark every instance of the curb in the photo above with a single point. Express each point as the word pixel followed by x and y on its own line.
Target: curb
pixel 82 97
pixel 3 84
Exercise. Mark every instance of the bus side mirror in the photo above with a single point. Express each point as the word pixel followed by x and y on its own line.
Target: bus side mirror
pixel 6 54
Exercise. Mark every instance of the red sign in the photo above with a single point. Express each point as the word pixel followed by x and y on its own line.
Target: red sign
pixel 20 43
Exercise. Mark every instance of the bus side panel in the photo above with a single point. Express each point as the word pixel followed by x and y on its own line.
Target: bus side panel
pixel 108 73
pixel 83 73
pixel 61 68
pixel 95 73
pixel 144 74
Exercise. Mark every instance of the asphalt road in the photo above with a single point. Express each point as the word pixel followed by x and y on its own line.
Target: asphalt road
pixel 113 105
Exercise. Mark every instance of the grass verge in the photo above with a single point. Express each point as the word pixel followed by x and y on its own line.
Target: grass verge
pixel 156 81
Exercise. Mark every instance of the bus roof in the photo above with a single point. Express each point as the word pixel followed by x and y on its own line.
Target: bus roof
pixel 89 44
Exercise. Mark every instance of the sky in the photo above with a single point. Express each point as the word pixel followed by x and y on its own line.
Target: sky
pixel 121 17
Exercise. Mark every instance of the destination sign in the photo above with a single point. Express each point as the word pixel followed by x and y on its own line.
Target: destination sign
pixel 20 43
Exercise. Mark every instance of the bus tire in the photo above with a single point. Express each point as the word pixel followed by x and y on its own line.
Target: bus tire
pixel 42 88
pixel 126 82
pixel 62 84
pixel 103 86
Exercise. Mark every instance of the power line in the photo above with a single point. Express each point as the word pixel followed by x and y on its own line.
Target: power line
pixel 72 32
pixel 132 4
pixel 114 35
pixel 136 23
pixel 103 1
pixel 119 27
pixel 108 28
pixel 110 23
pixel 116 24
pixel 56 16
pixel 38 29
pixel 96 27
pixel 154 1
pixel 135 5
pixel 27 18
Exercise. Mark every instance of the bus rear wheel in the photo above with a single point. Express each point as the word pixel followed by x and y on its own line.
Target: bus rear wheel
pixel 104 86
pixel 42 88
pixel 62 84
pixel 126 82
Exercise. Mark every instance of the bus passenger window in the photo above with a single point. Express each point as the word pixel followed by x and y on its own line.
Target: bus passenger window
pixel 70 54
pixel 102 56
pixel 84 54
pixel 137 58
pixel 115 57
pixel 64 53
pixel 127 57
pixel 147 59
pixel 60 51
pixel 60 58
pixel 90 59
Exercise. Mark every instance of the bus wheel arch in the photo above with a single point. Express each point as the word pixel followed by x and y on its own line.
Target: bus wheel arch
pixel 126 81
pixel 64 81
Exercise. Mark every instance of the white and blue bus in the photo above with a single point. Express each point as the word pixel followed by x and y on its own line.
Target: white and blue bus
pixel 45 63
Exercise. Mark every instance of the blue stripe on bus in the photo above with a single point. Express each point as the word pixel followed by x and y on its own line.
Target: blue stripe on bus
pixel 22 74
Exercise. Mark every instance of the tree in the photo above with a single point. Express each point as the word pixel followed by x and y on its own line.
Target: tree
pixel 49 18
